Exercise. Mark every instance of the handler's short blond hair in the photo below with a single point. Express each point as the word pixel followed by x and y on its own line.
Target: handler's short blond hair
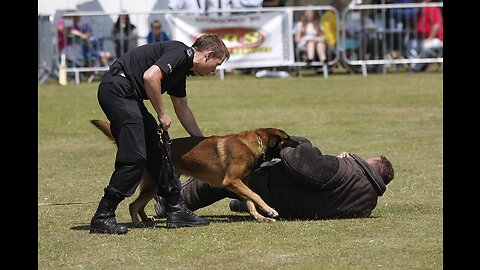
pixel 211 41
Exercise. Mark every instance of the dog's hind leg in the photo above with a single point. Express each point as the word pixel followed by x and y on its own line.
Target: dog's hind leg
pixel 148 189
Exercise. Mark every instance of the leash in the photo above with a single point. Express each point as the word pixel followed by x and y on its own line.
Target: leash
pixel 164 139
pixel 66 203
pixel 167 170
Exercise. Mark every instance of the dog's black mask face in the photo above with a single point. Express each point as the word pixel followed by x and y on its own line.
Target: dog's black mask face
pixel 278 141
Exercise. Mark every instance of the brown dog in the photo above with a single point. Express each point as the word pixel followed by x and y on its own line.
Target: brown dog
pixel 223 161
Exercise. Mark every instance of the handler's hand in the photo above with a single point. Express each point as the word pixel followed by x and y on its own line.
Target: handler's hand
pixel 344 155
pixel 165 120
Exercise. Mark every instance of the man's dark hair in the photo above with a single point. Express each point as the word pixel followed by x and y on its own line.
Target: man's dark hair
pixel 385 169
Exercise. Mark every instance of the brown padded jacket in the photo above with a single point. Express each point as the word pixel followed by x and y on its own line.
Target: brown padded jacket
pixel 291 186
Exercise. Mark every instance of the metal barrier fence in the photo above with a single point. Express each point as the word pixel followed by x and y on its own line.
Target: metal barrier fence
pixel 384 40
pixel 47 65
pixel 387 34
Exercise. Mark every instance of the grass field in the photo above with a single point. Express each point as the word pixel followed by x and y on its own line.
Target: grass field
pixel 398 115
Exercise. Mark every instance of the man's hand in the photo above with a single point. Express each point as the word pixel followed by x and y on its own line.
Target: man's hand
pixel 164 120
pixel 344 155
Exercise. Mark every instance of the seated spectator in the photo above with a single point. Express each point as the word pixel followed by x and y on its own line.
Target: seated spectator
pixel 91 49
pixel 406 16
pixel 329 23
pixel 125 35
pixel 156 34
pixel 329 28
pixel 429 34
pixel 69 39
pixel 309 36
pixel 363 41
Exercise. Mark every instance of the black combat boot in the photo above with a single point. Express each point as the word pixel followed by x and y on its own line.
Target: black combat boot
pixel 104 219
pixel 159 207
pixel 178 215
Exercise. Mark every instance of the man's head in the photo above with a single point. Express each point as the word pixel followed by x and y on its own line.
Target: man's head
pixel 383 166
pixel 210 52
pixel 156 26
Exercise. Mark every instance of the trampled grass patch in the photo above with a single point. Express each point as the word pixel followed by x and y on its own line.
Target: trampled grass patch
pixel 398 115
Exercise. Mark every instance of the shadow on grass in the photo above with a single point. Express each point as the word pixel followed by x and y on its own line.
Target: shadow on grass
pixel 160 223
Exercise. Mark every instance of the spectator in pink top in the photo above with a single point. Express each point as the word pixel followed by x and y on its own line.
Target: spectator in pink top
pixel 66 34
pixel 70 38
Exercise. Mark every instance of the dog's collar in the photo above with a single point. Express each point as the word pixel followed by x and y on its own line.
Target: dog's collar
pixel 260 142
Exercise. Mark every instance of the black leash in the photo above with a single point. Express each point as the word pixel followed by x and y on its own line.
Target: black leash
pixel 164 142
pixel 66 203
pixel 167 171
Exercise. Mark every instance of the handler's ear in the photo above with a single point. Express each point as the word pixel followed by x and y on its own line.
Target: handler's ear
pixel 208 55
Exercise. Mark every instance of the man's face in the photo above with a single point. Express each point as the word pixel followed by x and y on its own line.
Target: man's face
pixel 206 65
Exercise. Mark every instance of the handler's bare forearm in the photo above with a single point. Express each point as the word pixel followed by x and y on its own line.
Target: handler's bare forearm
pixel 185 116
pixel 189 123
pixel 153 87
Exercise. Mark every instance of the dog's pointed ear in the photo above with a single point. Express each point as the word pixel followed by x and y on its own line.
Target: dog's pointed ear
pixel 273 140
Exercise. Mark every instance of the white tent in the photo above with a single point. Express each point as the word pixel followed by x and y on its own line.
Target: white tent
pixel 50 7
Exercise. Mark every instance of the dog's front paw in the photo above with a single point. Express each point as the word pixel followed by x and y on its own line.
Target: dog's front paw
pixel 270 220
pixel 262 219
pixel 272 213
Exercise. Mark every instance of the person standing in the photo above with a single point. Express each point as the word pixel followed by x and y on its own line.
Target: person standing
pixel 125 35
pixel 145 73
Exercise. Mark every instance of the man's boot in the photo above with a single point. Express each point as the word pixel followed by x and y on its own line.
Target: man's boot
pixel 104 219
pixel 178 215
pixel 237 206
pixel 159 207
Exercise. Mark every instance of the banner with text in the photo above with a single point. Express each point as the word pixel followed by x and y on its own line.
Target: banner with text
pixel 254 40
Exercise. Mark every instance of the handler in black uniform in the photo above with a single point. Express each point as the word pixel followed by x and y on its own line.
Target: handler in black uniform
pixel 304 184
pixel 146 72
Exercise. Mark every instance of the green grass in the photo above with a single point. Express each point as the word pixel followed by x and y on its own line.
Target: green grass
pixel 398 115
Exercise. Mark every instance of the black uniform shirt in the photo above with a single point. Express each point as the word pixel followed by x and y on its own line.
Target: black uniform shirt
pixel 173 57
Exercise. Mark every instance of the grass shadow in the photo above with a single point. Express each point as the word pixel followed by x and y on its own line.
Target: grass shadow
pixel 160 223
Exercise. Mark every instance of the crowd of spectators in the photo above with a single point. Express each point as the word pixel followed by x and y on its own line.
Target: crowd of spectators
pixel 315 32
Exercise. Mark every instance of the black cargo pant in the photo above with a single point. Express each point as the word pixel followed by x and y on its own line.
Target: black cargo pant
pixel 135 131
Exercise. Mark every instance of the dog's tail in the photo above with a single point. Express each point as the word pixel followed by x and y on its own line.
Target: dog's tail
pixel 104 126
